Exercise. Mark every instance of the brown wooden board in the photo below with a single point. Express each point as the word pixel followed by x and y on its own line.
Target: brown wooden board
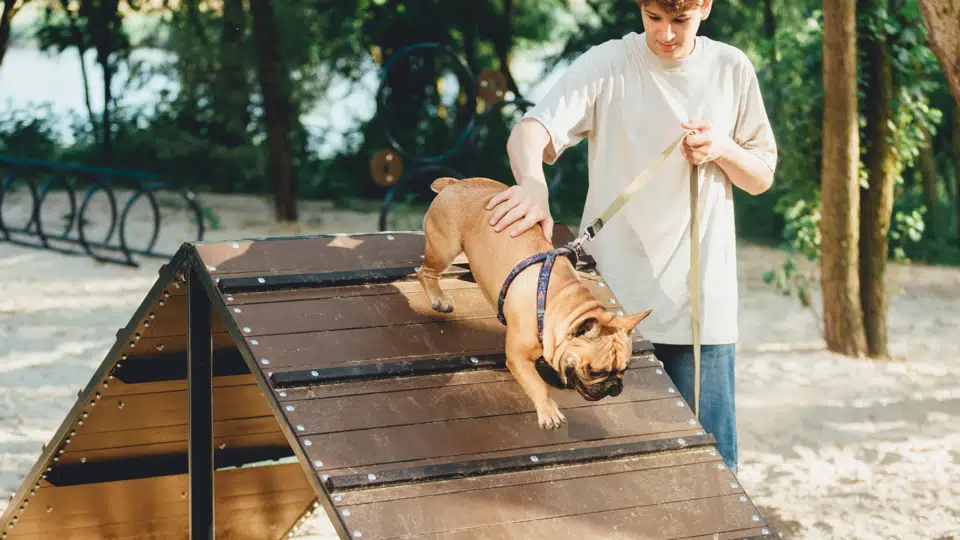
pixel 254 503
pixel 684 493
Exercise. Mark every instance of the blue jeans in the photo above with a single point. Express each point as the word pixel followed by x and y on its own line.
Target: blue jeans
pixel 718 414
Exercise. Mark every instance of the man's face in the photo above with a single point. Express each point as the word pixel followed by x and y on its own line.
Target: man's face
pixel 671 35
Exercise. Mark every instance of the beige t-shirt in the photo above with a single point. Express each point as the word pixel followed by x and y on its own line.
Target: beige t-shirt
pixel 629 104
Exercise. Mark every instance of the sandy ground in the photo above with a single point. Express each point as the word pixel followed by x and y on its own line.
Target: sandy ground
pixel 831 447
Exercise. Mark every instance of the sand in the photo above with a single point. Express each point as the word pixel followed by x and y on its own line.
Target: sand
pixel 831 447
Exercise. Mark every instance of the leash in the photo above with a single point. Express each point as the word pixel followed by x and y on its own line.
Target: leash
pixel 591 231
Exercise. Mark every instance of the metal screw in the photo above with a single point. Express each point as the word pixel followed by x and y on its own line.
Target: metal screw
pixel 261 280
pixel 474 360
pixel 160 347
pixel 315 373
pixel 325 477
pixel 679 404
pixel 290 408
pixel 692 422
pixel 246 329
pixel 733 485
pixel 337 498
pixel 49 509
pixel 254 342
pixel 300 427
pixel 534 459
pixel 223 445
pixel 650 359
pixel 161 302
pixel 357 534
pixel 346 512
pixel 264 361
pixel 229 298
pixel 765 531
pixel 659 371
pixel 212 268
pixel 601 284
pixel 236 310
pixel 389 237
pixel 318 463
pixel 146 324
pixel 307 442
pixel 720 466
pixel 620 313
pixel 671 390
pixel 166 294
pixel 236 245
pixel 757 518
pixel 613 301
pixel 372 476
pixel 743 498
pixel 681 441
pixel 83 460
pixel 283 394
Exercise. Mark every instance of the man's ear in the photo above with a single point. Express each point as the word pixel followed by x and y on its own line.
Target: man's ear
pixel 630 322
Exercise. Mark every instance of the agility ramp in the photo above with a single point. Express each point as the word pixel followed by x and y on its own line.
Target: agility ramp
pixel 262 380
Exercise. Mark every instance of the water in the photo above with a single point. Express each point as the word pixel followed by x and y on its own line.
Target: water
pixel 30 79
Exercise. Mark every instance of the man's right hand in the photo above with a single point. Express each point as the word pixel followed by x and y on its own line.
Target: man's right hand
pixel 516 209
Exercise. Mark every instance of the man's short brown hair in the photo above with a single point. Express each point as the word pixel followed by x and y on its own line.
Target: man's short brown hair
pixel 673 6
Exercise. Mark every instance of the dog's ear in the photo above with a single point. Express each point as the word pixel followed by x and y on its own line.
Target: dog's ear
pixel 588 328
pixel 629 322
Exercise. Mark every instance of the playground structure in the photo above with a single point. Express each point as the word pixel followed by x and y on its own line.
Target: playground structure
pixel 40 179
pixel 261 380
pixel 398 166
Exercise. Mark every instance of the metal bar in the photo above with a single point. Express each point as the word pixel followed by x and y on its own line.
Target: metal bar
pixel 480 467
pixel 200 408
pixel 173 367
pixel 133 468
pixel 382 370
pixel 404 368
pixel 268 282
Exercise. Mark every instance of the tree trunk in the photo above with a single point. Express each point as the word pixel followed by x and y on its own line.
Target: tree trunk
pixel 840 197
pixel 928 175
pixel 277 109
pixel 956 163
pixel 943 36
pixel 876 200
pixel 231 92
pixel 7 10
pixel 770 31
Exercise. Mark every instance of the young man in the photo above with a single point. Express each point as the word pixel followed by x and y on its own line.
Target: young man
pixel 631 98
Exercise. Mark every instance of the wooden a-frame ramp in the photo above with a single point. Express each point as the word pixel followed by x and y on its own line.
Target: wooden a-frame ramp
pixel 260 381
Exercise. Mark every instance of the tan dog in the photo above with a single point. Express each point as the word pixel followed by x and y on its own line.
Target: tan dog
pixel 586 345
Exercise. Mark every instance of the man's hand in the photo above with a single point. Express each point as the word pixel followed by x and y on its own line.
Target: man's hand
pixel 705 145
pixel 517 209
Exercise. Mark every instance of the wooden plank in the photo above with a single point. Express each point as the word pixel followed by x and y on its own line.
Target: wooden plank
pixel 344 312
pixel 600 468
pixel 399 408
pixel 698 490
pixel 474 435
pixel 126 440
pixel 522 451
pixel 312 254
pixel 151 346
pixel 143 411
pixel 248 501
pixel 117 388
pixel 171 319
pixel 411 342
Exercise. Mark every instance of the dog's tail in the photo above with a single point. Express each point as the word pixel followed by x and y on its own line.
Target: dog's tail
pixel 441 183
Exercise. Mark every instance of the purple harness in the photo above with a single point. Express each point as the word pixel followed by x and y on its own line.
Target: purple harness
pixel 548 258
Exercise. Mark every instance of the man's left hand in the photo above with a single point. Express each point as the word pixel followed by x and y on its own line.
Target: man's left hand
pixel 705 145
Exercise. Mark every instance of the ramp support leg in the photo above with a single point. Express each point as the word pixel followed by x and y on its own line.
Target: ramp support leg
pixel 200 407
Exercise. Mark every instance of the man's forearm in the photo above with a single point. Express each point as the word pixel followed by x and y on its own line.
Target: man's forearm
pixel 525 150
pixel 745 170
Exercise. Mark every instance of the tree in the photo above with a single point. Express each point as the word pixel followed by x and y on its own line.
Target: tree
pixel 882 168
pixel 840 198
pixel 277 109
pixel 940 18
pixel 8 9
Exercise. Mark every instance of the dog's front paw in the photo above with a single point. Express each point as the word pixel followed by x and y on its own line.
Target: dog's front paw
pixel 550 417
pixel 443 304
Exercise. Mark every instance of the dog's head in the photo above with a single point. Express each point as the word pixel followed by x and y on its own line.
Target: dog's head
pixel 594 353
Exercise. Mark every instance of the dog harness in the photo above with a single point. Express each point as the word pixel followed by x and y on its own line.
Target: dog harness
pixel 547 258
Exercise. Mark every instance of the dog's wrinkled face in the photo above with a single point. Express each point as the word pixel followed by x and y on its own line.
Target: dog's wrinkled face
pixel 595 354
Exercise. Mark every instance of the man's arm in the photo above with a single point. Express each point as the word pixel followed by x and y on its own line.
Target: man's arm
pixel 524 205
pixel 745 170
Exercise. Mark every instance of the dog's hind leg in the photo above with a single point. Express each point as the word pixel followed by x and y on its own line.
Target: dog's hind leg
pixel 441 250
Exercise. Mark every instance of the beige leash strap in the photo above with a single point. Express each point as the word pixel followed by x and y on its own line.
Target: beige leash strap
pixel 695 281
pixel 591 231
